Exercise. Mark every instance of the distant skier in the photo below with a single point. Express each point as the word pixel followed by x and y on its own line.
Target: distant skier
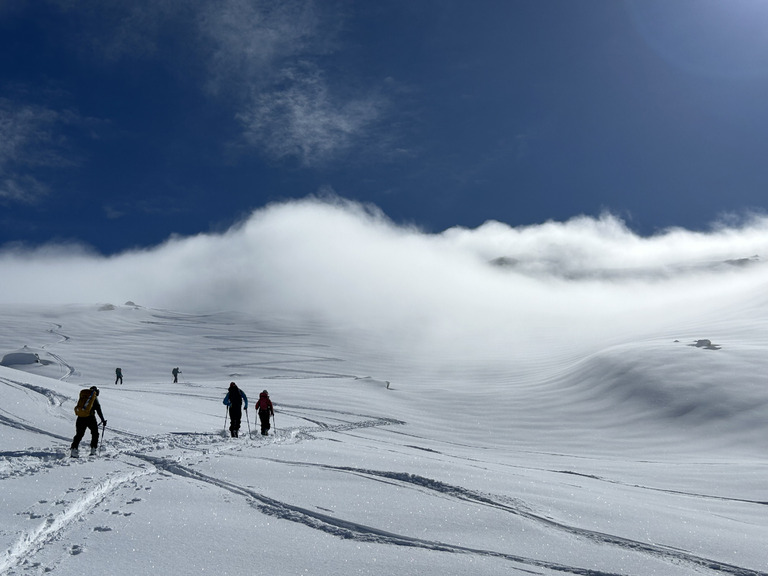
pixel 175 373
pixel 118 375
pixel 235 399
pixel 87 408
pixel 264 405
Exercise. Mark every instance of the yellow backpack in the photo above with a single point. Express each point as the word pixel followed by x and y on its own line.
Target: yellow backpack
pixel 86 401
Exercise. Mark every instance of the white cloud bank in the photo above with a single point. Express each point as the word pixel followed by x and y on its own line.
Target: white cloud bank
pixel 587 280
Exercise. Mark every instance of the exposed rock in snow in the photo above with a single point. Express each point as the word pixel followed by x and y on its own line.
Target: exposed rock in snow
pixel 706 343
pixel 19 357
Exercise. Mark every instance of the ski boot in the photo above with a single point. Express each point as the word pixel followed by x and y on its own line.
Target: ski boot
pixel 75 453
pixel 93 451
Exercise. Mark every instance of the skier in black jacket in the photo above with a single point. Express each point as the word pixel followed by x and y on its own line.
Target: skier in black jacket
pixel 84 423
pixel 235 399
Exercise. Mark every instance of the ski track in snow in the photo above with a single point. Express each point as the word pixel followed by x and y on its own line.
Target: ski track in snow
pixel 363 533
pixel 68 369
pixel 128 447
pixel 188 446
pixel 191 445
pixel 664 490
pixel 30 543
pixel 347 529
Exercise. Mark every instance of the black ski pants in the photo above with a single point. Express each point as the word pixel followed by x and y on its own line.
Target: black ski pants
pixel 83 424
pixel 235 415
pixel 264 417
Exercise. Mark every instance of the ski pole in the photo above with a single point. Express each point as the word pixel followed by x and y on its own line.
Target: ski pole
pixel 226 413
pixel 274 422
pixel 103 432
pixel 247 419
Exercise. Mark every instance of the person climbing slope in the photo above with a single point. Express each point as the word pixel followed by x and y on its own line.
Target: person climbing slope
pixel 235 399
pixel 264 405
pixel 86 409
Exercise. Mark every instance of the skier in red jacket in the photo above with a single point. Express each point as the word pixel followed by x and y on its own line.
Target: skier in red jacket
pixel 265 408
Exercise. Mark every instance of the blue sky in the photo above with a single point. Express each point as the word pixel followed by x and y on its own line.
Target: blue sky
pixel 122 124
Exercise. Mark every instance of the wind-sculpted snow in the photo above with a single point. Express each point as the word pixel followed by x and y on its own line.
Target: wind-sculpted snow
pixel 639 457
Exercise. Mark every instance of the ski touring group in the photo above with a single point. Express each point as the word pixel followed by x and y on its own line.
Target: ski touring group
pixel 236 401
pixel 88 407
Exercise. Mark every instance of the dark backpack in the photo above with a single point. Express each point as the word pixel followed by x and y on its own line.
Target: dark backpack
pixel 85 403
pixel 235 398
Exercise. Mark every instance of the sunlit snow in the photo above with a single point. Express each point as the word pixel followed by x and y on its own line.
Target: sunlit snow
pixel 561 399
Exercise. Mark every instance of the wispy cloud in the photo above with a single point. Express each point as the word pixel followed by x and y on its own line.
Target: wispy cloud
pixel 29 139
pixel 303 119
pixel 288 108
pixel 246 41
pixel 260 59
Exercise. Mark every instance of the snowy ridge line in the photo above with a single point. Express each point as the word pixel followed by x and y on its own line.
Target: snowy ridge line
pixel 466 495
pixel 32 542
pixel 54 398
pixel 354 531
pixel 662 490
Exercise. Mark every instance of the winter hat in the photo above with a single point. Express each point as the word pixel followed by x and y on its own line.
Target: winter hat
pixel 265 393
pixel 232 385
pixel 95 390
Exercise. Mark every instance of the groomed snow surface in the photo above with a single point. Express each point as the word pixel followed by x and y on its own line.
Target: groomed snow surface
pixel 643 455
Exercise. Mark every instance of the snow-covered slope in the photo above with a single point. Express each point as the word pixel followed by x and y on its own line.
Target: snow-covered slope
pixel 583 451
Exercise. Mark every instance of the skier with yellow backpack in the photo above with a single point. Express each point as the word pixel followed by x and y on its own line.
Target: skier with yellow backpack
pixel 86 409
